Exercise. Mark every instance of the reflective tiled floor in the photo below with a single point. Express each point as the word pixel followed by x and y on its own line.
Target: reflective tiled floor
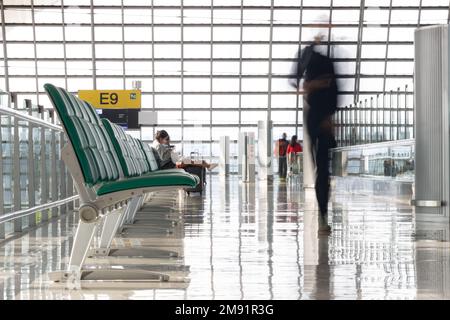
pixel 255 241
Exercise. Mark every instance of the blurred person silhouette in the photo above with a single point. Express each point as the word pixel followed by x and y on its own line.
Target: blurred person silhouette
pixel 292 150
pixel 281 153
pixel 320 94
pixel 294 146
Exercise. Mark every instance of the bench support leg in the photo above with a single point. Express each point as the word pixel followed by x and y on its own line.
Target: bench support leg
pixel 134 205
pixel 81 243
pixel 123 218
pixel 110 226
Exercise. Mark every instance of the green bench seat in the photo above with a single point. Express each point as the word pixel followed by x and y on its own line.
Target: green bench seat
pixel 110 160
pixel 128 147
pixel 113 175
pixel 148 180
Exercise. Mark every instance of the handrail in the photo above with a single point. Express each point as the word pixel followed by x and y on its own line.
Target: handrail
pixel 375 145
pixel 385 117
pixel 25 212
pixel 26 117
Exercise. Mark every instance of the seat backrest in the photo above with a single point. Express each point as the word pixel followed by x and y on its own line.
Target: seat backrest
pixel 140 156
pixel 150 155
pixel 131 157
pixel 91 143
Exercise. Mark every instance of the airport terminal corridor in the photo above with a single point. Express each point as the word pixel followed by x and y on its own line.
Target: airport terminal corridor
pixel 249 241
pixel 239 150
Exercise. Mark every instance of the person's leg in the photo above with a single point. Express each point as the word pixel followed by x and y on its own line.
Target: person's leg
pixel 280 170
pixel 168 165
pixel 280 167
pixel 283 168
pixel 322 184
pixel 209 166
pixel 323 175
pixel 289 163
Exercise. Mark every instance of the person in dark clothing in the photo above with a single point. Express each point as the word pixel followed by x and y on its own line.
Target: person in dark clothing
pixel 320 90
pixel 280 152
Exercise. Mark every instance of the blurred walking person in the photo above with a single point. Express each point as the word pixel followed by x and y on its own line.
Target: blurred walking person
pixel 281 153
pixel 320 93
pixel 294 146
pixel 292 155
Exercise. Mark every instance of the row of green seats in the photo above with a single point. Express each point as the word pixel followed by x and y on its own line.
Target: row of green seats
pixel 110 160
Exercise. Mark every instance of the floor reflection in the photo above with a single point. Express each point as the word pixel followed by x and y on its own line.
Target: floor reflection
pixel 259 241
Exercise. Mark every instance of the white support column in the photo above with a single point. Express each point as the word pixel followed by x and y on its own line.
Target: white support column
pixel 224 159
pixel 247 155
pixel 265 150
pixel 241 141
pixel 432 123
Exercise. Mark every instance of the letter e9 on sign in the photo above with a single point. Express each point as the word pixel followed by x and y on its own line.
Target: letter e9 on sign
pixel 112 99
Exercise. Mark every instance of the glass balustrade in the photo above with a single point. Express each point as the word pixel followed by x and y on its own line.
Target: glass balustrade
pixel 386 117
pixel 393 159
pixel 33 173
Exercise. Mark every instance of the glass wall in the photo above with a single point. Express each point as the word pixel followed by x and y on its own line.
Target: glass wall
pixel 389 159
pixel 209 67
pixel 385 117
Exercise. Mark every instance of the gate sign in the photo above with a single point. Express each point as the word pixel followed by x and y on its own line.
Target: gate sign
pixel 112 99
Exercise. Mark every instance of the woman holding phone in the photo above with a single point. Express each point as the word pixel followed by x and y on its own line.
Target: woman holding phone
pixel 170 158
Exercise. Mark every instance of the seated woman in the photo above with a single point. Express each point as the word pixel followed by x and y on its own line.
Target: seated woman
pixel 170 158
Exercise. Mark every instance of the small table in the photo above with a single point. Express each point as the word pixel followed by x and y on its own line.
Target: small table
pixel 184 165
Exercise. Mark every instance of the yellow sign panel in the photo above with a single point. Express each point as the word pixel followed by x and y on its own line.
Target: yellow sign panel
pixel 112 99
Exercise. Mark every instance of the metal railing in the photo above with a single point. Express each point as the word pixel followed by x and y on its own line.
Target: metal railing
pixel 386 117
pixel 393 159
pixel 36 185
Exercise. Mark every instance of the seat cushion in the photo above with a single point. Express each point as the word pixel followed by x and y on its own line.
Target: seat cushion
pixel 148 180
pixel 176 171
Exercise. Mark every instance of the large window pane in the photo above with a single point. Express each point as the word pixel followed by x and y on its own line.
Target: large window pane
pixel 75 84
pixel 234 82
